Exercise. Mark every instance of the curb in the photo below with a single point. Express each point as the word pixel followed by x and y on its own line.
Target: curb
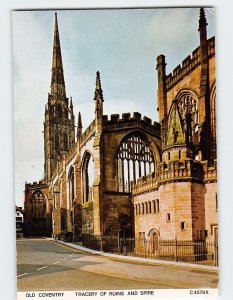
pixel 139 260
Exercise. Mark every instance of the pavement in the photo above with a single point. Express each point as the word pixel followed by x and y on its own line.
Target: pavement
pixel 141 260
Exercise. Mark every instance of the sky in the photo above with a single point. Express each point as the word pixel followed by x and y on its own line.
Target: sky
pixel 122 44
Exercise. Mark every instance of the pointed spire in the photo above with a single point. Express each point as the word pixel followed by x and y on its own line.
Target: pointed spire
pixel 57 81
pixel 57 59
pixel 98 88
pixel 202 19
pixel 175 134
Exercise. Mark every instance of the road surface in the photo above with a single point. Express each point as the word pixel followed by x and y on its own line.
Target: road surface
pixel 46 265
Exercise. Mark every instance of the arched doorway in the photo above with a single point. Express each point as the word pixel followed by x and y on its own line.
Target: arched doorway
pixel 153 241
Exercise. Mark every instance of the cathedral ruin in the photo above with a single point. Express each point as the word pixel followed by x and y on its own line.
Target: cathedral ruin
pixel 128 175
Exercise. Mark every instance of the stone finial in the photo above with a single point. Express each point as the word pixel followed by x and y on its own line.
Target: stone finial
pixel 202 19
pixel 98 89
pixel 80 121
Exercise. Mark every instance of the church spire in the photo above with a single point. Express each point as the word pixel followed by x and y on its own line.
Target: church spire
pixel 57 80
pixel 59 124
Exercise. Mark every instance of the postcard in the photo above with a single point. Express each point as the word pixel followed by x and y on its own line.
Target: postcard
pixel 115 153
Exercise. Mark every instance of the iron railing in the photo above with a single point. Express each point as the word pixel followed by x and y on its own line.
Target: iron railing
pixel 198 252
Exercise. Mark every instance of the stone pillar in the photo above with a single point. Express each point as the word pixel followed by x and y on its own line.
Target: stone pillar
pixel 204 97
pixel 56 215
pixel 97 186
pixel 161 92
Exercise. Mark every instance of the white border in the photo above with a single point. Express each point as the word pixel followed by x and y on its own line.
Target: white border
pixel 149 294
pixel 224 118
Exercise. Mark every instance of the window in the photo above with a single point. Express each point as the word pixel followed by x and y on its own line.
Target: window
pixel 139 208
pixel 179 154
pixel 65 142
pixel 188 108
pixel 183 225
pixel 134 159
pixel 169 156
pixel 146 204
pixel 143 210
pixel 168 217
pixel 87 177
pixel 216 202
pixel 149 207
pixel 38 205
pixel 188 104
pixel 71 186
pixel 157 205
pixel 154 206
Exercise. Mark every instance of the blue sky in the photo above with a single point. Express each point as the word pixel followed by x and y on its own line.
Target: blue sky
pixel 121 44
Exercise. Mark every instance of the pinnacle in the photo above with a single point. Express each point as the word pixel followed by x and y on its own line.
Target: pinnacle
pixel 79 120
pixel 98 81
pixel 98 88
pixel 202 19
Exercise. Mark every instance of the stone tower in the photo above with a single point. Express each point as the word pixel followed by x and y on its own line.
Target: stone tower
pixel 59 124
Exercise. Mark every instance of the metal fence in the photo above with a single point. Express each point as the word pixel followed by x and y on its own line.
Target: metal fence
pixel 198 252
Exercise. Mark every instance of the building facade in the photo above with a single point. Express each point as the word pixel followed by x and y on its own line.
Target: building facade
pixel 127 175
pixel 19 215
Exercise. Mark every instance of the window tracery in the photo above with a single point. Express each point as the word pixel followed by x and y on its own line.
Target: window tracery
pixel 134 159
pixel 38 205
pixel 188 109
pixel 187 104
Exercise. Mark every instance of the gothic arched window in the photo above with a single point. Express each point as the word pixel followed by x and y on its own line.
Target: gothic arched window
pixel 38 203
pixel 213 121
pixel 134 159
pixel 87 177
pixel 188 108
pixel 65 140
pixel 71 186
pixel 188 104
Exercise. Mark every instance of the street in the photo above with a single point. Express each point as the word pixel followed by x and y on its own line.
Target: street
pixel 45 265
